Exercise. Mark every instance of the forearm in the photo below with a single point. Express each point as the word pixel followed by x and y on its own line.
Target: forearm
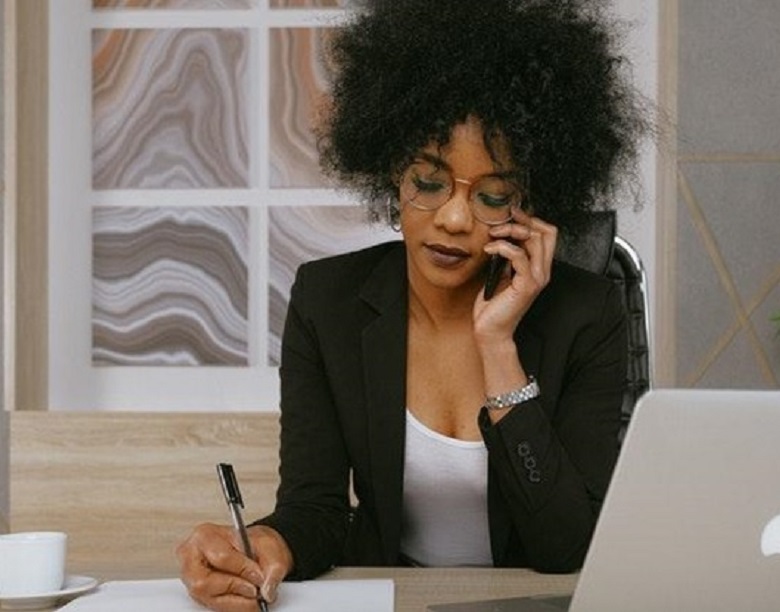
pixel 314 538
pixel 550 505
pixel 553 456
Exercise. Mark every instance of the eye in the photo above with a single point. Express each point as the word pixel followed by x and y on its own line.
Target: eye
pixel 427 178
pixel 495 201
pixel 427 184
pixel 496 193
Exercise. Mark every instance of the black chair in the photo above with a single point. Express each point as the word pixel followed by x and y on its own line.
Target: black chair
pixel 626 269
pixel 599 249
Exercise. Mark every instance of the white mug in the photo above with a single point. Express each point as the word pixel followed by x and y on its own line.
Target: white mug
pixel 32 563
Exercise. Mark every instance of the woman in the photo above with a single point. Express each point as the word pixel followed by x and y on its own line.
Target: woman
pixel 474 431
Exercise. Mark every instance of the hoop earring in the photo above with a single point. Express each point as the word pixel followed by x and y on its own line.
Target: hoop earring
pixel 393 215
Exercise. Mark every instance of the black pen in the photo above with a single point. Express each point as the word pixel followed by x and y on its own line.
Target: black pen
pixel 227 478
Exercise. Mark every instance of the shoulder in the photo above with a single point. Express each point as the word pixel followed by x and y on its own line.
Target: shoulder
pixel 355 265
pixel 567 278
pixel 343 276
pixel 577 296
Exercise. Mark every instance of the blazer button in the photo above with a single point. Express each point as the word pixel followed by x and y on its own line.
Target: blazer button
pixel 526 453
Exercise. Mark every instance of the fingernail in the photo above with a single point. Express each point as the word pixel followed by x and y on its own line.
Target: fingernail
pixel 268 590
pixel 247 590
pixel 255 578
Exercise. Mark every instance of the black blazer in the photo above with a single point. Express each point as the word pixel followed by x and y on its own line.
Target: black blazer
pixel 343 417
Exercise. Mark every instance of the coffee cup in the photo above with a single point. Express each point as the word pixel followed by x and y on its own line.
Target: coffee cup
pixel 32 563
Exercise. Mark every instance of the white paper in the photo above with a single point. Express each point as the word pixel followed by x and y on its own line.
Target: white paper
pixel 171 596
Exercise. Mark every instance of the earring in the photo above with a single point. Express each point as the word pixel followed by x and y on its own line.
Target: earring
pixel 393 211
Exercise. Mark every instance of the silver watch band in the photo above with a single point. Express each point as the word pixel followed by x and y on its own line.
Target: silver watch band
pixel 518 396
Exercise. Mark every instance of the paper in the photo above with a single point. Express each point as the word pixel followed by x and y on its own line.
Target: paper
pixel 171 596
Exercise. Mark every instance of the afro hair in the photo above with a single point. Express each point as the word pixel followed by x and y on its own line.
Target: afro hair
pixel 546 76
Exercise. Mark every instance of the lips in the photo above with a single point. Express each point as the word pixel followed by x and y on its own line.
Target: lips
pixel 446 257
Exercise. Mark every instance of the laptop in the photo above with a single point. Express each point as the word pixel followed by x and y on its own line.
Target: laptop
pixel 691 520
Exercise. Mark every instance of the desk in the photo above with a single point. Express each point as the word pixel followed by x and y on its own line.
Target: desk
pixel 416 588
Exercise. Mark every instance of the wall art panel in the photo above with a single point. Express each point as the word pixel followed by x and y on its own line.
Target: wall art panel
pixel 170 108
pixel 175 4
pixel 170 286
pixel 311 3
pixel 300 234
pixel 298 79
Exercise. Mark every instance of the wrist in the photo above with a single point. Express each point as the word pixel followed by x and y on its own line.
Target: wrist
pixel 501 368
pixel 497 352
pixel 519 395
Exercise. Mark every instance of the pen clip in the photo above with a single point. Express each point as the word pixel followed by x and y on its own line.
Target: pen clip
pixel 227 478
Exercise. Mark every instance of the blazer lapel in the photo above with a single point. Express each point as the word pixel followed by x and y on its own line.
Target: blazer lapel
pixel 384 369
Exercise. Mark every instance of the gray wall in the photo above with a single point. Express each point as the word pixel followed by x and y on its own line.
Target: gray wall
pixel 728 208
pixel 4 471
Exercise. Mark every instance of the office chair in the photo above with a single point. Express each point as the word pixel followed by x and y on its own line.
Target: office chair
pixel 625 268
pixel 600 250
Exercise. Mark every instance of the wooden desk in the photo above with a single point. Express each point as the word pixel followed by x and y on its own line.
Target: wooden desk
pixel 415 588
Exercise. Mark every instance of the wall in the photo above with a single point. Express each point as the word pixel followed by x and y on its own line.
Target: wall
pixel 727 281
pixel 26 205
pixel 5 447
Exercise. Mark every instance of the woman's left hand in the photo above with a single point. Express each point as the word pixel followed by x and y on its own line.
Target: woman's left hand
pixel 528 245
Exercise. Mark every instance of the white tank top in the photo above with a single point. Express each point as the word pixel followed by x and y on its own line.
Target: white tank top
pixel 444 519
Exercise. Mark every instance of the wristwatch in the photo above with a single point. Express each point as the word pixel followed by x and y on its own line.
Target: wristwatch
pixel 512 398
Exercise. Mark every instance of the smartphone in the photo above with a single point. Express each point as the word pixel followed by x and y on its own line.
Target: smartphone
pixel 495 269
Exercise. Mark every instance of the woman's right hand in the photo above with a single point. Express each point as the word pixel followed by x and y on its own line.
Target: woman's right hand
pixel 528 244
pixel 220 576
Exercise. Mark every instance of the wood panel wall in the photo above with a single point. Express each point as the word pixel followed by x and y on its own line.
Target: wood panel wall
pixel 127 487
pixel 26 205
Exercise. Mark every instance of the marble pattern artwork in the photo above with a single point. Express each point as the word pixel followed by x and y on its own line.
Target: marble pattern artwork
pixel 300 234
pixel 310 3
pixel 175 4
pixel 170 286
pixel 298 79
pixel 169 108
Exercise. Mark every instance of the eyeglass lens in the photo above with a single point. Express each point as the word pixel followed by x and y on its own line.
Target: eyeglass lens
pixel 427 186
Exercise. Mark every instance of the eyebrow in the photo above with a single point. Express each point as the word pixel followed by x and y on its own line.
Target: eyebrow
pixel 440 163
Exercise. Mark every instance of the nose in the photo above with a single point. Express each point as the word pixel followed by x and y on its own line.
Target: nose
pixel 455 214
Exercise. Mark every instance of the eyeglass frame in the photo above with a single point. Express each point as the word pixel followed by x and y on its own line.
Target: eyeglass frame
pixel 463 181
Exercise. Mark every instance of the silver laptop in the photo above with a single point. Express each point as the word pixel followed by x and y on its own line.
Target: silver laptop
pixel 692 517
pixel 691 521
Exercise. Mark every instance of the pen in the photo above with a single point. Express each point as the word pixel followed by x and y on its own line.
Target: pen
pixel 227 478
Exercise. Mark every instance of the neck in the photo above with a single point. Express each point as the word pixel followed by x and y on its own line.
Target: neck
pixel 441 307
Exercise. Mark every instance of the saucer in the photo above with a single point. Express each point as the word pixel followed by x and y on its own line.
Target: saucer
pixel 74 585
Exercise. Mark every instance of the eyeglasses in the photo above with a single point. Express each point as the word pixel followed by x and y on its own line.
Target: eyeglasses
pixel 427 186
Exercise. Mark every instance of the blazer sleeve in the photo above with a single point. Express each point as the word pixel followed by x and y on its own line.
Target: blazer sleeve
pixel 553 457
pixel 312 506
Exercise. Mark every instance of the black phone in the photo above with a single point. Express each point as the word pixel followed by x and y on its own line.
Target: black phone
pixel 495 268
